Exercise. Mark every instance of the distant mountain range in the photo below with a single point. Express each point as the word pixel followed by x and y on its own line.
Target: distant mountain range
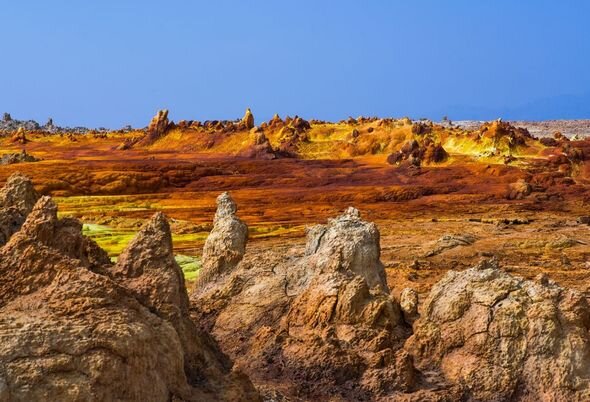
pixel 557 107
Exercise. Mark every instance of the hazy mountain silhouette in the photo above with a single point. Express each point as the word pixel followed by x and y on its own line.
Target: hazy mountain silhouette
pixel 552 108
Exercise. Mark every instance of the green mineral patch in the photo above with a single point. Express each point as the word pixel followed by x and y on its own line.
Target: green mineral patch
pixel 190 266
pixel 114 241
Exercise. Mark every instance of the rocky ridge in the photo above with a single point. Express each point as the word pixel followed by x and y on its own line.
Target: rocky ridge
pixel 9 125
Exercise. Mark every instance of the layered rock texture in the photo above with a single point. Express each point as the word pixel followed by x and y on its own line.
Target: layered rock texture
pixel 75 328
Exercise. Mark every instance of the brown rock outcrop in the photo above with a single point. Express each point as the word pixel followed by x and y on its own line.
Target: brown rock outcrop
pixel 505 338
pixel 71 333
pixel 20 136
pixel 226 244
pixel 17 198
pixel 275 122
pixel 300 124
pixel 319 324
pixel 409 304
pixel 347 243
pixel 248 119
pixel 416 153
pixel 447 242
pixel 158 127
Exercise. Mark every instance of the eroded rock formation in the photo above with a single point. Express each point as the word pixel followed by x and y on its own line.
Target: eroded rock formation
pixel 17 198
pixel 158 127
pixel 20 136
pixel 322 322
pixel 226 244
pixel 248 119
pixel 73 327
pixel 415 153
pixel 308 323
pixel 504 137
pixel 505 338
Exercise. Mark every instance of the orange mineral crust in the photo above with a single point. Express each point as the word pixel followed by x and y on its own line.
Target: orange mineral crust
pixel 515 194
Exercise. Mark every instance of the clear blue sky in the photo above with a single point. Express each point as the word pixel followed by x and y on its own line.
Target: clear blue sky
pixel 115 62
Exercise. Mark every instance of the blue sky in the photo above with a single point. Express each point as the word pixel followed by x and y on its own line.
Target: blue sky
pixel 111 63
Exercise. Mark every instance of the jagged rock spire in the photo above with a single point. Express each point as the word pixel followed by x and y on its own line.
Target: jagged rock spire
pixel 226 243
pixel 97 334
pixel 248 119
pixel 17 199
pixel 147 266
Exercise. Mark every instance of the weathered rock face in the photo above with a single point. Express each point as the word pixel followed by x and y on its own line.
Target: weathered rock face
pixel 17 199
pixel 505 338
pixel 319 323
pixel 19 192
pixel 158 127
pixel 248 119
pixel 71 333
pixel 347 243
pixel 44 228
pixel 159 123
pixel 20 136
pixel 226 243
pixel 409 304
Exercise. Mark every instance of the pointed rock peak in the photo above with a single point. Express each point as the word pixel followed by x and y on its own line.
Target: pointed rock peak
pixel 150 248
pixel 351 217
pixel 226 244
pixel 158 222
pixel 44 210
pixel 226 206
pixel 248 119
pixel 154 236
pixel 19 192
pixel 159 122
pixel 41 223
